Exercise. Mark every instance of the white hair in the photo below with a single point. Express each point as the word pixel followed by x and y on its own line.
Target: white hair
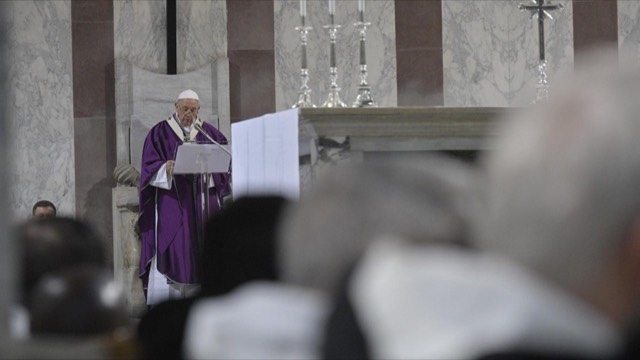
pixel 563 179
pixel 415 198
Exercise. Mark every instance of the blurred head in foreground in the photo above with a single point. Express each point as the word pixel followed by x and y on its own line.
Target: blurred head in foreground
pixel 416 198
pixel 559 271
pixel 78 301
pixel 563 195
pixel 53 244
pixel 242 246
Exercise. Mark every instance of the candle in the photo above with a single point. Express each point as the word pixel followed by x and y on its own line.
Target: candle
pixel 332 7
pixel 361 6
pixel 303 8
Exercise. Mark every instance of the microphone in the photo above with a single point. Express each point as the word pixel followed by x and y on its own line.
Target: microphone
pixel 201 130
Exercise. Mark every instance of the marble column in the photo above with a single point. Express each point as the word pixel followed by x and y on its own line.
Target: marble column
pixel 201 33
pixel 40 105
pixel 140 38
pixel 8 265
pixel 140 34
pixel 381 51
pixel 629 30
pixel 490 51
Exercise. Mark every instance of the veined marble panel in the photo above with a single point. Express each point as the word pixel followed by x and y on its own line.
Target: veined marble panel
pixel 490 51
pixel 40 105
pixel 202 40
pixel 380 51
pixel 201 33
pixel 629 30
pixel 140 33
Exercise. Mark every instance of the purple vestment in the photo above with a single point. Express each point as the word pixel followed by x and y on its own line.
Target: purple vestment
pixel 178 218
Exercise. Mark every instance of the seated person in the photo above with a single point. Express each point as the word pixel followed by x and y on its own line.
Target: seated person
pixel 43 209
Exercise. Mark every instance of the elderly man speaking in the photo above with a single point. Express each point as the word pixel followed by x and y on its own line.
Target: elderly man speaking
pixel 169 203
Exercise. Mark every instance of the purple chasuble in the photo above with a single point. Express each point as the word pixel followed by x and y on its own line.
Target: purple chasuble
pixel 177 215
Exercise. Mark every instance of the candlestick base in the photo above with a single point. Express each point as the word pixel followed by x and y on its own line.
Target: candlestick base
pixel 364 98
pixel 333 99
pixel 304 100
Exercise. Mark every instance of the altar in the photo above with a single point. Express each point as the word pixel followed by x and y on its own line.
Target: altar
pixel 283 153
pixel 288 150
pixel 404 128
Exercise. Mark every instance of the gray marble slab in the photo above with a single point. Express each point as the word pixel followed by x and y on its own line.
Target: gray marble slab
pixel 629 30
pixel 140 34
pixel 490 51
pixel 201 33
pixel 40 105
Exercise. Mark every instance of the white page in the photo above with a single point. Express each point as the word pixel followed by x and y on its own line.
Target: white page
pixel 266 155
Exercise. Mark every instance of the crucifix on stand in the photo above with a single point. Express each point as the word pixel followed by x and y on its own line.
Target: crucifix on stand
pixel 541 11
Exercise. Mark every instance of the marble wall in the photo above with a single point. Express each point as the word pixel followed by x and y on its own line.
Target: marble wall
pixel 491 50
pixel 40 105
pixel 140 33
pixel 380 51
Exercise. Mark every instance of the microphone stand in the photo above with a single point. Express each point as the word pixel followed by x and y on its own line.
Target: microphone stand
pixel 204 184
pixel 201 130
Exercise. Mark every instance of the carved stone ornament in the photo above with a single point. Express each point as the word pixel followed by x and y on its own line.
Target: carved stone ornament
pixel 126 175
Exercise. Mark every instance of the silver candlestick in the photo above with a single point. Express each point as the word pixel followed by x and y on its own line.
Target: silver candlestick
pixel 364 98
pixel 304 94
pixel 333 98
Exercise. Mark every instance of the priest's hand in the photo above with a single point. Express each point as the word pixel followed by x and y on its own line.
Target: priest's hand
pixel 170 164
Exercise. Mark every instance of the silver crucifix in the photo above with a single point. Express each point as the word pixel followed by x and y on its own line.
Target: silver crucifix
pixel 541 11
